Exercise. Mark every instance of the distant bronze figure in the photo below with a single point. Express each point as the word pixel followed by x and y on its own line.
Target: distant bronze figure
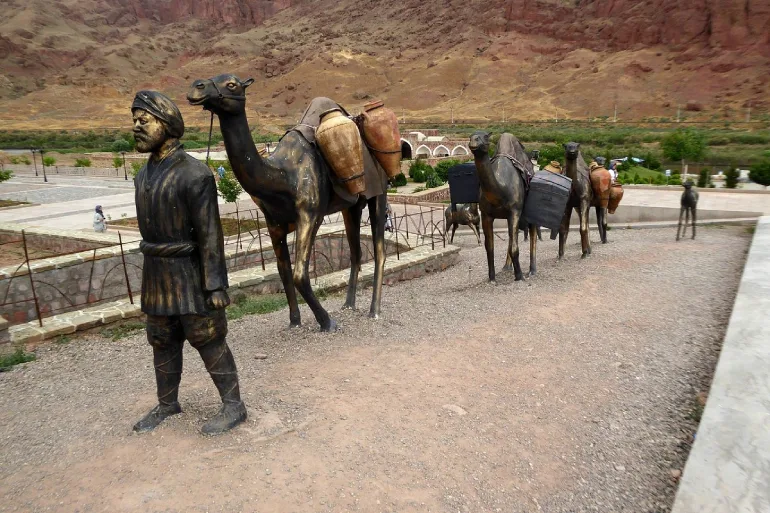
pixel 689 204
pixel 184 279
pixel 601 183
pixel 581 197
pixel 503 183
pixel 294 188
pixel 463 213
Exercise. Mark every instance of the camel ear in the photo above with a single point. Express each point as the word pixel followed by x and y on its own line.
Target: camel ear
pixel 247 83
pixel 564 145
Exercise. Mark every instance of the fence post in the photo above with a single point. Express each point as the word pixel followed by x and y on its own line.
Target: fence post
pixel 31 281
pixel 259 236
pixel 125 269
pixel 91 277
pixel 432 225
pixel 395 231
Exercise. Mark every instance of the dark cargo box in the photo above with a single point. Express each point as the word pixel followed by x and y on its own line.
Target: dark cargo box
pixel 547 199
pixel 463 183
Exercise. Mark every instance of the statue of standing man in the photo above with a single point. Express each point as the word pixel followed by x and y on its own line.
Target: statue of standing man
pixel 184 279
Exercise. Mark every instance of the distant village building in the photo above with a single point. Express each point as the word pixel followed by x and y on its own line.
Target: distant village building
pixel 428 144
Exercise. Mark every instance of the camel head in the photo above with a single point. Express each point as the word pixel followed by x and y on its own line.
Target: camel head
pixel 223 94
pixel 687 185
pixel 571 150
pixel 479 143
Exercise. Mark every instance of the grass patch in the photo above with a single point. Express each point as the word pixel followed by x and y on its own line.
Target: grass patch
pixel 751 229
pixel 123 330
pixel 696 412
pixel 229 225
pixel 11 203
pixel 255 305
pixel 62 340
pixel 15 358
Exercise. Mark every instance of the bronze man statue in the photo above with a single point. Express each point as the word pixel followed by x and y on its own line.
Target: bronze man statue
pixel 184 279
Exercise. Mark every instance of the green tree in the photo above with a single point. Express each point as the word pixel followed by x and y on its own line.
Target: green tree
pixel 704 179
pixel 731 178
pixel 760 173
pixel 49 161
pixel 684 144
pixel 443 166
pixel 136 167
pixel 119 145
pixel 230 188
pixel 117 161
pixel 399 180
pixel 419 171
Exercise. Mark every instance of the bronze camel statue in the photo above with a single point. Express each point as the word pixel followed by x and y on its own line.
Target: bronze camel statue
pixel 294 189
pixel 464 213
pixel 689 204
pixel 502 195
pixel 580 197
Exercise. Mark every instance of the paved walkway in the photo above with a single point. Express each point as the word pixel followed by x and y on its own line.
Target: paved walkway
pixel 728 469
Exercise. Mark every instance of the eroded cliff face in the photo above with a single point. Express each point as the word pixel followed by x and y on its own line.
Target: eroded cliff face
pixel 230 12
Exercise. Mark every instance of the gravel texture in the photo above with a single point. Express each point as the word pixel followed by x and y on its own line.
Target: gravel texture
pixel 571 391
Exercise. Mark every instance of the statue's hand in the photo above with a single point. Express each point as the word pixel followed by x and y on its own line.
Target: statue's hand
pixel 218 300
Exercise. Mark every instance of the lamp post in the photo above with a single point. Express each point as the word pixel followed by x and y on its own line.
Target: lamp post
pixel 33 160
pixel 125 173
pixel 42 162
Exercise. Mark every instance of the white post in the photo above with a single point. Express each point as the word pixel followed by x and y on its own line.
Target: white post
pixel 615 118
pixel 677 113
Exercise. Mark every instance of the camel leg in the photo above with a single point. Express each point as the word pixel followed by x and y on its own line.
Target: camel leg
pixel 679 226
pixel 605 215
pixel 564 231
pixel 539 233
pixel 693 221
pixel 352 217
pixel 584 240
pixel 686 220
pixel 533 249
pixel 489 244
pixel 513 247
pixel 454 228
pixel 526 233
pixel 600 221
pixel 281 249
pixel 377 207
pixel 475 230
pixel 304 240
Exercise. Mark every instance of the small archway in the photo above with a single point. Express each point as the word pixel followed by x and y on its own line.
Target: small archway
pixel 460 150
pixel 441 151
pixel 406 150
pixel 423 152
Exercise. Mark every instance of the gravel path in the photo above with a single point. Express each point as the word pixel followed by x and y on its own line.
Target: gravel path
pixel 570 392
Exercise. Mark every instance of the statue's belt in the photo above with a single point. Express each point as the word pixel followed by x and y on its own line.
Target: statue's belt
pixel 167 249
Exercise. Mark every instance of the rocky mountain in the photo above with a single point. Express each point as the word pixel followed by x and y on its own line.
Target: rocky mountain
pixel 76 63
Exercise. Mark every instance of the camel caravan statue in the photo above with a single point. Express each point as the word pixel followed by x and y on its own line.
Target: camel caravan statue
pixel 503 189
pixel 466 214
pixel 294 189
pixel 581 198
pixel 689 205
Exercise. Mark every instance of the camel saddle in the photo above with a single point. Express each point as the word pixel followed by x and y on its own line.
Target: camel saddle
pixel 374 175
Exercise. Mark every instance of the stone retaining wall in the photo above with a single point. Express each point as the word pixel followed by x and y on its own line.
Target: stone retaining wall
pixel 70 170
pixel 431 195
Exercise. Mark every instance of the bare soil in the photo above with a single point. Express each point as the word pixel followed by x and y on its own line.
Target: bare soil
pixel 572 391
pixel 12 253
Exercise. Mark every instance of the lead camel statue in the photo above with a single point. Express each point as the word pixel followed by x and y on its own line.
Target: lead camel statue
pixel 503 191
pixel 294 189
pixel 580 197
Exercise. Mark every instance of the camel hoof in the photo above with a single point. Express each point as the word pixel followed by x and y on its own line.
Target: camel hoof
pixel 347 306
pixel 508 267
pixel 519 277
pixel 532 272
pixel 374 315
pixel 331 327
pixel 295 324
pixel 493 282
pixel 585 255
pixel 693 237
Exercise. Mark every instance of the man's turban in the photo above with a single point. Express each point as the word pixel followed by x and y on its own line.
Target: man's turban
pixel 161 106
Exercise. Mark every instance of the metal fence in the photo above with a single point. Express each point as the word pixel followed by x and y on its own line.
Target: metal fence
pixel 39 288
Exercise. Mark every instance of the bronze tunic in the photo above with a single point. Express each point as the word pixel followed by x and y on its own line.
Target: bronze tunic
pixel 183 246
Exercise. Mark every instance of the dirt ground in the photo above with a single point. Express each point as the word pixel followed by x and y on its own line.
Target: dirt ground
pixel 572 391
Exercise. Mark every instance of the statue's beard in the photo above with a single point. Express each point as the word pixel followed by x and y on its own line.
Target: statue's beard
pixel 146 144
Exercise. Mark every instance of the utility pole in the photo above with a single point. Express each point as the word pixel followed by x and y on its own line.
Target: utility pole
pixel 453 114
pixel 42 162
pixel 678 108
pixel 503 115
pixel 748 114
pixel 33 160
pixel 615 117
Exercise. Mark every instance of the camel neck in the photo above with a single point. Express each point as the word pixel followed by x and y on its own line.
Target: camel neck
pixel 485 173
pixel 571 168
pixel 255 175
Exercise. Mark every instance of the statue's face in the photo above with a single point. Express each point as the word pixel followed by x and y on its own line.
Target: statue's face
pixel 149 132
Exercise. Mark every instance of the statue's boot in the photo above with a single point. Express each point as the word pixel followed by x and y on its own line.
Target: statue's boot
pixel 168 374
pixel 220 363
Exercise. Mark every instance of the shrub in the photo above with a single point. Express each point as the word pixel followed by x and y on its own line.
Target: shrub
pixel 5 175
pixel 399 180
pixel 638 179
pixel 549 153
pixel 675 180
pixel 660 179
pixel 623 178
pixel 626 166
pixel 117 161
pixel 136 167
pixel 433 180
pixel 731 178
pixel 443 166
pixel 49 161
pixel 84 162
pixel 704 178
pixel 419 171
pixel 760 173
pixel 651 161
